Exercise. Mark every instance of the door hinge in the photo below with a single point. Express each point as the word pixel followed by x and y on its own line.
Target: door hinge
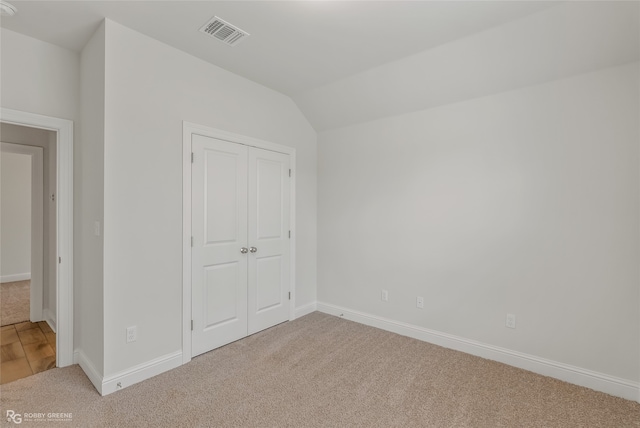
pixel 289 172
pixel 289 295
pixel 191 157
pixel 289 234
pixel 192 241
pixel 59 260
pixel 191 325
pixel 53 197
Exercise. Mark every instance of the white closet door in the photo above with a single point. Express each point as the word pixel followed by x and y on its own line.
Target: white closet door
pixel 219 227
pixel 269 274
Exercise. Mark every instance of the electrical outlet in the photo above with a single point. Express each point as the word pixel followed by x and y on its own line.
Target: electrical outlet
pixel 511 321
pixel 132 334
pixel 384 296
pixel 420 302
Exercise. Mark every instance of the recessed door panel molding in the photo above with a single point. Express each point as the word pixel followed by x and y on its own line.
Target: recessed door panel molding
pixel 269 202
pixel 269 283
pixel 220 294
pixel 221 193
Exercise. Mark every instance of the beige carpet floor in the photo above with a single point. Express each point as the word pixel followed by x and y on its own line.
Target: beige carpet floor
pixel 14 302
pixel 324 371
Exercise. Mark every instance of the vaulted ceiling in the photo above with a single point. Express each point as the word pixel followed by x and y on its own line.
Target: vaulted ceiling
pixel 349 61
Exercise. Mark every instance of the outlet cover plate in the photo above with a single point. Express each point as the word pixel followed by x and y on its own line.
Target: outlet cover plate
pixel 132 334
pixel 511 321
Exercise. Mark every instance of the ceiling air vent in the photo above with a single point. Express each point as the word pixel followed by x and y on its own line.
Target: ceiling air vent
pixel 223 31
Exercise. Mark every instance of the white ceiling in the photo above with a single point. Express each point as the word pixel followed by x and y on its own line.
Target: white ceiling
pixel 345 62
pixel 295 46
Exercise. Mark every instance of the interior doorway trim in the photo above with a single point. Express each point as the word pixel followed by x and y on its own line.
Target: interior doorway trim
pixel 37 224
pixel 189 129
pixel 64 226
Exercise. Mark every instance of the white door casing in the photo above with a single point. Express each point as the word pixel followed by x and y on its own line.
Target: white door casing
pixel 188 130
pixel 274 263
pixel 64 224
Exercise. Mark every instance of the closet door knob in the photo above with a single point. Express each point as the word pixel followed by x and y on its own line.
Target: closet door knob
pixel 253 249
pixel 244 250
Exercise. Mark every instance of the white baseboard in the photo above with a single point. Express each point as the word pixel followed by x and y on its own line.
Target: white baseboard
pixel 305 309
pixel 50 319
pixel 140 372
pixel 624 388
pixel 15 277
pixel 96 379
pixel 107 385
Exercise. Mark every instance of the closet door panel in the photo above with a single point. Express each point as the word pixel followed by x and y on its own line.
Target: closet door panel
pixel 219 229
pixel 268 202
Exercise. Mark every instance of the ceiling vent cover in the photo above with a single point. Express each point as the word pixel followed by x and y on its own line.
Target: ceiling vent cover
pixel 223 31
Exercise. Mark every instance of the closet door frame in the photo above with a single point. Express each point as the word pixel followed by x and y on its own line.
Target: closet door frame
pixel 189 129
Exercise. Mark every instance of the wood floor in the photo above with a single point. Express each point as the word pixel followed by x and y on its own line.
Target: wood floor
pixel 26 348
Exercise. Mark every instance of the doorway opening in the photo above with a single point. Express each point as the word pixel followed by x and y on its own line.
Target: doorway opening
pixel 48 143
pixel 28 250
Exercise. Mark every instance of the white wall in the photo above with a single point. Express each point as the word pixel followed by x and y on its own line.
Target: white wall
pixel 89 191
pixel 150 89
pixel 526 202
pixel 15 216
pixel 39 77
pixel 10 133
